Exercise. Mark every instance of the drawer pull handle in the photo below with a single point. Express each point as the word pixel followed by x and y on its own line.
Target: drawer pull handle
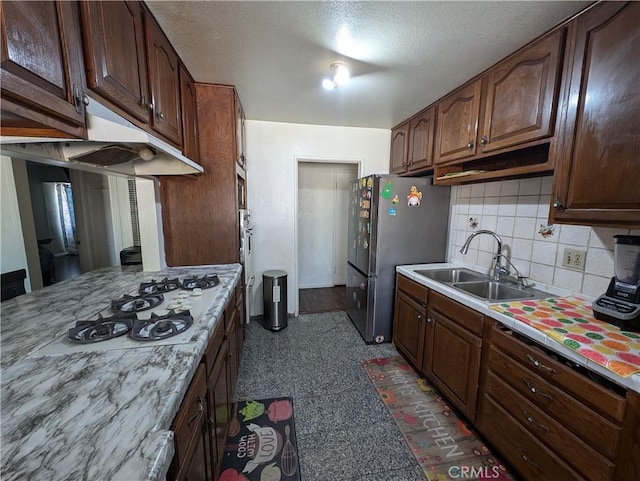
pixel 535 390
pixel 532 420
pixel 538 364
pixel 526 459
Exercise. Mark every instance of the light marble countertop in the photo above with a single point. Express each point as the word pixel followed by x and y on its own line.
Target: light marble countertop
pixel 631 382
pixel 102 415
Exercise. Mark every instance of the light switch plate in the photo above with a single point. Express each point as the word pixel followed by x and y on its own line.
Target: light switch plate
pixel 574 258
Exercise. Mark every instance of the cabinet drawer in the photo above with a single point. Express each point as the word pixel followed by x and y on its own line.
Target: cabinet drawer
pixel 597 431
pixel 565 378
pixel 532 460
pixel 214 346
pixel 462 315
pixel 419 292
pixel 190 415
pixel 549 432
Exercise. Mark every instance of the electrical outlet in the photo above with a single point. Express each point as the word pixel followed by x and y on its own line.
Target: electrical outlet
pixel 574 259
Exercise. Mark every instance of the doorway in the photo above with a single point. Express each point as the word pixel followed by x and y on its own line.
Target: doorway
pixel 322 234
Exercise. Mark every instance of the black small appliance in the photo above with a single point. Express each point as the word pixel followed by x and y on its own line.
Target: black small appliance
pixel 620 305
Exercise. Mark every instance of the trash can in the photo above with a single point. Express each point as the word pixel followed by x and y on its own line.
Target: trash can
pixel 274 293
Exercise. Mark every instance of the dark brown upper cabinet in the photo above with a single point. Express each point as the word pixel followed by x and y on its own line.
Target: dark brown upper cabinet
pixel 189 115
pixel 42 70
pixel 399 148
pixel 115 54
pixel 519 96
pixel 457 129
pixel 597 149
pixel 241 142
pixel 164 82
pixel 421 131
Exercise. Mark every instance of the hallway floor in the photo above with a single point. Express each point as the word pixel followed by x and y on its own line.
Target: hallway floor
pixel 323 299
pixel 344 431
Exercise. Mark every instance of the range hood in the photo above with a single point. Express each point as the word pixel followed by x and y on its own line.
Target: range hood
pixel 113 145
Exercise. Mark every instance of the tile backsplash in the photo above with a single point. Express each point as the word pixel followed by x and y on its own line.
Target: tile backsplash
pixel 517 210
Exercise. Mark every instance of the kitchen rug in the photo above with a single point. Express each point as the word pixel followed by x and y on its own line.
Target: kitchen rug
pixel 261 442
pixel 446 449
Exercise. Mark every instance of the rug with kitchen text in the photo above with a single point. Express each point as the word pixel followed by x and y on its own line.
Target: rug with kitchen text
pixel 261 442
pixel 445 447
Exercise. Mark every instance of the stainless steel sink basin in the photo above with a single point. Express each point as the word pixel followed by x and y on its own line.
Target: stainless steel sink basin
pixel 454 275
pixel 498 291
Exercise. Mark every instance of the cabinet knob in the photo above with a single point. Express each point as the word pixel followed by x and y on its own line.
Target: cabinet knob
pixel 429 320
pixel 557 204
pixel 161 115
pixel 85 99
pixel 484 140
pixel 419 316
pixel 470 145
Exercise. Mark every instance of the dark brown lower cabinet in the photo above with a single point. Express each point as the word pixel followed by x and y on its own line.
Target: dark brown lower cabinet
pixel 191 428
pixel 219 406
pixel 410 317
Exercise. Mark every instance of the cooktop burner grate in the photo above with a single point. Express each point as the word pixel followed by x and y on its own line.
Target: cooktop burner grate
pixel 161 327
pixel 103 329
pixel 204 282
pixel 128 304
pixel 153 287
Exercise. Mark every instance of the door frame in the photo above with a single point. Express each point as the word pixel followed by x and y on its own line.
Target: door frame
pixel 319 160
pixel 336 233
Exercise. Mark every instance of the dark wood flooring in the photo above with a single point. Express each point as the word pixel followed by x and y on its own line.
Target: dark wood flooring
pixel 324 299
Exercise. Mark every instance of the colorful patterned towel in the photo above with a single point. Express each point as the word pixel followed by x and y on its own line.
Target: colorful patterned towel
pixel 570 321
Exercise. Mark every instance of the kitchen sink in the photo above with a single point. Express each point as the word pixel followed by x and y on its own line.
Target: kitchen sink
pixel 450 276
pixel 498 291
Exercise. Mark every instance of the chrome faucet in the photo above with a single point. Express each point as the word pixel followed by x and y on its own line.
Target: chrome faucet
pixel 498 269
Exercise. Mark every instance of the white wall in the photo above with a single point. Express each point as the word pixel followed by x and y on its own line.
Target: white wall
pixel 13 255
pixel 273 149
pixel 517 210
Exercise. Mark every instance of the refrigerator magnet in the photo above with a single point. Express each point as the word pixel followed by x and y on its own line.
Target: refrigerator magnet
pixel 370 182
pixel 387 192
pixel 366 204
pixel 395 200
pixel 365 244
pixel 414 197
pixel 392 211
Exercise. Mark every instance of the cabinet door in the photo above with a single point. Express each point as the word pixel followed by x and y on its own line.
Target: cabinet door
pixel 399 149
pixel 164 82
pixel 42 65
pixel 421 130
pixel 114 49
pixel 189 115
pixel 409 327
pixel 240 134
pixel 219 405
pixel 596 174
pixel 458 124
pixel 520 96
pixel 453 362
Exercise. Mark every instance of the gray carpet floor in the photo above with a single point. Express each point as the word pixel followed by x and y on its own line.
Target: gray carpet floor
pixel 344 431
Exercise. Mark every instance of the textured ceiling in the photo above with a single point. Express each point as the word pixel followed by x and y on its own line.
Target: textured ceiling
pixel 402 55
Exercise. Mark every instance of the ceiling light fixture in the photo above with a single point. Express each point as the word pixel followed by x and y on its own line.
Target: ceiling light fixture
pixel 340 76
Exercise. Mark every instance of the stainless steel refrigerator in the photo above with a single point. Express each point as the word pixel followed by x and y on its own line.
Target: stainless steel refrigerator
pixel 392 221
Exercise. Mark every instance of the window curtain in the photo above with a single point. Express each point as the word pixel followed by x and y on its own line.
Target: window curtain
pixel 67 217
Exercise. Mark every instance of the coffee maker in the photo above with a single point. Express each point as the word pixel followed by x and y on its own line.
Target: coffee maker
pixel 620 305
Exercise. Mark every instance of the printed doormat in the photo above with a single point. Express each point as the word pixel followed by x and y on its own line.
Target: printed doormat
pixel 261 442
pixel 444 446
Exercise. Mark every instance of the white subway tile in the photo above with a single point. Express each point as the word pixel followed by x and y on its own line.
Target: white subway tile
pixel 477 190
pixel 490 206
pixel 521 248
pixel 541 273
pixel 544 253
pixel 527 206
pixel 546 185
pixel 524 227
pixel 464 191
pixel 602 237
pixel 543 206
pixel 595 286
pixel 489 222
pixel 599 262
pixel 530 186
pixel 486 243
pixel 568 279
pixel 492 189
pixel 485 261
pixel 576 235
pixel 505 226
pixel 475 206
pixel 523 266
pixel 509 187
pixel 508 205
